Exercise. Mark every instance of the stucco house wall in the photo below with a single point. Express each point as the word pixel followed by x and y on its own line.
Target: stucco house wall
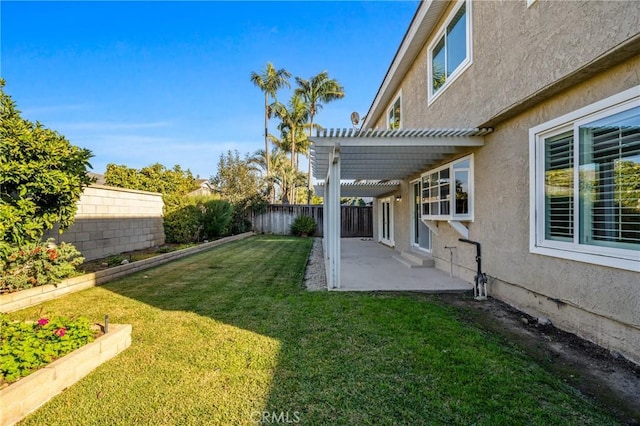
pixel 596 302
pixel 519 53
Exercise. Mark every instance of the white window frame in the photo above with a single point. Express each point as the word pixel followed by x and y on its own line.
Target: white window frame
pixel 413 244
pixel 397 99
pixel 431 95
pixel 627 259
pixel 452 206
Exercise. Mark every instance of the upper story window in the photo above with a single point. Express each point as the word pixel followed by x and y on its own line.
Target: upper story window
pixel 447 192
pixel 450 52
pixel 586 184
pixel 394 115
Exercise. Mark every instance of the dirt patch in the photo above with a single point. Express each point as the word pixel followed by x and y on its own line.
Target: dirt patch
pixel 130 256
pixel 596 372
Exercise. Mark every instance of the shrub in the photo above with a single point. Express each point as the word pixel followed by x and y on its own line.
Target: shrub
pixel 27 346
pixel 216 219
pixel 41 177
pixel 242 210
pixel 183 225
pixel 198 218
pixel 36 264
pixel 115 260
pixel 303 225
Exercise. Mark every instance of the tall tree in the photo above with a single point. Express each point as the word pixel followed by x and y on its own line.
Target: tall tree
pixel 318 90
pixel 174 184
pixel 236 179
pixel 269 82
pixel 293 118
pixel 154 178
pixel 41 177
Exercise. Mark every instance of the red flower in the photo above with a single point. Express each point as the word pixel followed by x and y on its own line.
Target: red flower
pixel 60 332
pixel 53 254
pixel 43 321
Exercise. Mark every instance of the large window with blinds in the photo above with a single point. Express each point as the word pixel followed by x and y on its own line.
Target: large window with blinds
pixel 586 185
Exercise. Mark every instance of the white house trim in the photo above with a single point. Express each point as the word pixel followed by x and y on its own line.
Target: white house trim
pixel 605 256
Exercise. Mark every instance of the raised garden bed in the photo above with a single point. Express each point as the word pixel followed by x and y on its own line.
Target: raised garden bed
pixel 29 393
pixel 22 299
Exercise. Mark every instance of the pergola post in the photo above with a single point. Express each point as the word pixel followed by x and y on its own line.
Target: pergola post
pixel 331 221
pixel 326 228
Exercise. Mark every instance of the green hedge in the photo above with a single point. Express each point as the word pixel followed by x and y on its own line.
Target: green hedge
pixel 198 219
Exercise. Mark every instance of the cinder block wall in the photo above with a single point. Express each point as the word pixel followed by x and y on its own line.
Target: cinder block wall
pixel 113 220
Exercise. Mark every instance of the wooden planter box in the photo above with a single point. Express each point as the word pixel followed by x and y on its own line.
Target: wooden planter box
pixel 33 296
pixel 29 393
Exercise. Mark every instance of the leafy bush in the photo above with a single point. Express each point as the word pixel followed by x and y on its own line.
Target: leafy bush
pixel 41 177
pixel 183 225
pixel 27 346
pixel 303 225
pixel 36 264
pixel 216 219
pixel 243 208
pixel 198 218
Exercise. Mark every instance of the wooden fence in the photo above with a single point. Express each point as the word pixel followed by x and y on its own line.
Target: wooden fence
pixel 356 221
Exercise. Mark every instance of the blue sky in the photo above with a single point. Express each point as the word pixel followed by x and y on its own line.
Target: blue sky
pixel 145 82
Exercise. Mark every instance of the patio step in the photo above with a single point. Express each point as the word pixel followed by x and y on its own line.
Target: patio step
pixel 412 259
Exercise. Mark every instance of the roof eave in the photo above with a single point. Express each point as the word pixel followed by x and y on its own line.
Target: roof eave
pixel 414 39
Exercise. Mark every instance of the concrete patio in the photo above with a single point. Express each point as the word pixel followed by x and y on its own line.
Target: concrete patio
pixel 369 266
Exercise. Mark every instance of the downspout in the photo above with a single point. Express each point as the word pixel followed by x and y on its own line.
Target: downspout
pixel 480 287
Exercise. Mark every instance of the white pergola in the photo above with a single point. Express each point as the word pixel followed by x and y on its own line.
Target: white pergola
pixel 375 155
pixel 362 188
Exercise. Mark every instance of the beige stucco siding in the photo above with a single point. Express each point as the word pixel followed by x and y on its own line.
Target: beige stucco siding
pixel 502 182
pixel 529 66
pixel 599 303
pixel 517 51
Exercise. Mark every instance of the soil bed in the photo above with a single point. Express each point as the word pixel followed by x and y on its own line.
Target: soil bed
pixel 130 256
pixel 595 371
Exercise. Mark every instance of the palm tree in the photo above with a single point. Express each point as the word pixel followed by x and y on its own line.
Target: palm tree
pixel 270 81
pixel 293 118
pixel 318 90
pixel 275 159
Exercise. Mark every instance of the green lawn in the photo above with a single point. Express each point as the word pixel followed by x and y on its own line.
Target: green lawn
pixel 226 335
